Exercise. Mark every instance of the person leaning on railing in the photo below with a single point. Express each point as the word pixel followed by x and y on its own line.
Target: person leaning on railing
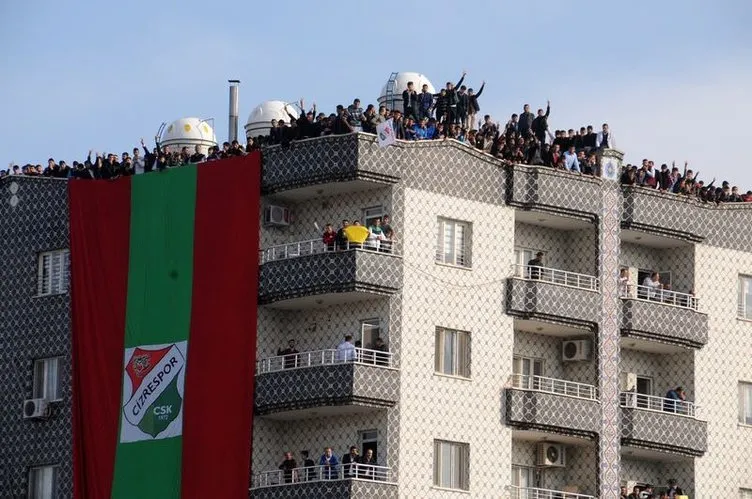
pixel 534 266
pixel 674 400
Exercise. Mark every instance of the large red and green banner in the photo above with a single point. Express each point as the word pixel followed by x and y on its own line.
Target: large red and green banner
pixel 164 288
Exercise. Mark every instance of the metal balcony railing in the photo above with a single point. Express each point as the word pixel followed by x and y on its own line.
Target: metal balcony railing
pixel 659 404
pixel 536 493
pixel 552 385
pixel 275 478
pixel 316 246
pixel 556 276
pixel 324 358
pixel 664 296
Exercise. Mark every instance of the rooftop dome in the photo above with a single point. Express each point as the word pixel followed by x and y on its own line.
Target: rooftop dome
pixel 260 119
pixel 188 132
pixel 400 84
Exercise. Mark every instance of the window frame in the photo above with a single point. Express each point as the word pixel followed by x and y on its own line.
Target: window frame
pixel 459 463
pixel 460 364
pixel 31 492
pixel 377 211
pixel 745 403
pixel 464 246
pixel 520 258
pixel 45 279
pixel 744 295
pixel 530 471
pixel 372 322
pixel 41 387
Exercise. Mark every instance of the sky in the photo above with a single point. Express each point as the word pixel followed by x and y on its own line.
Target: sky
pixel 672 78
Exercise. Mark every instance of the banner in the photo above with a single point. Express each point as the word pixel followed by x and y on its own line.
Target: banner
pixel 385 133
pixel 164 331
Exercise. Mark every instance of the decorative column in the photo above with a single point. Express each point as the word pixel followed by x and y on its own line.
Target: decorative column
pixel 609 354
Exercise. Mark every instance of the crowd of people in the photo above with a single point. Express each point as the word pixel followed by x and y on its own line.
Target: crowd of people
pixel 671 491
pixel 329 467
pixel 449 114
pixel 378 236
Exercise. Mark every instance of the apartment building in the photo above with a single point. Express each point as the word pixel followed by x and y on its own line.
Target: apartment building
pixel 500 378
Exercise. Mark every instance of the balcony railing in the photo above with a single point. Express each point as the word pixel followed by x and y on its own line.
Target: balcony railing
pixel 322 473
pixel 641 401
pixel 535 493
pixel 316 246
pixel 664 296
pixel 556 276
pixel 555 386
pixel 323 358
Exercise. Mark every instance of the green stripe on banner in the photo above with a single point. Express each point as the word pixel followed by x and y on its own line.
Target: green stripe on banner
pixel 157 324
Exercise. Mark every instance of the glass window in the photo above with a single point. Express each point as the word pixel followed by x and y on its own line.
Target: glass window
pixel 745 297
pixel 47 379
pixel 745 403
pixel 42 482
pixel 453 244
pixel 371 214
pixel 523 476
pixel 53 272
pixel 451 465
pixel 452 353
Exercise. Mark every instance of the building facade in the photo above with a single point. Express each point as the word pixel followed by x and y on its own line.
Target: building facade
pixel 501 378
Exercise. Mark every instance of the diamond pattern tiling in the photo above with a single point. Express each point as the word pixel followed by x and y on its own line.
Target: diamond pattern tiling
pixel 335 489
pixel 567 305
pixel 664 323
pixel 663 431
pixel 553 413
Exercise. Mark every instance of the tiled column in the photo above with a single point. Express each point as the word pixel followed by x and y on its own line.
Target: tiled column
pixel 609 227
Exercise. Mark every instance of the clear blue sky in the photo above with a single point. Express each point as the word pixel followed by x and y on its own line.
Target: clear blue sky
pixel 672 78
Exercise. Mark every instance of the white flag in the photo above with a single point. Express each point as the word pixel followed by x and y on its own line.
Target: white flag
pixel 385 132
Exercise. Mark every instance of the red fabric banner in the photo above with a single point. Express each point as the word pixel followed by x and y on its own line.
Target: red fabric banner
pixel 222 346
pixel 99 213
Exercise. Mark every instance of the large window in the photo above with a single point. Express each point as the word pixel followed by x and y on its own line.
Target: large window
pixel 46 383
pixel 371 214
pixel 451 468
pixel 43 482
pixel 745 403
pixel 453 244
pixel 452 352
pixel 52 277
pixel 745 297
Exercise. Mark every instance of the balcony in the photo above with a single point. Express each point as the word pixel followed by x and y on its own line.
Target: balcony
pixel 353 161
pixel 535 493
pixel 311 384
pixel 553 295
pixel 359 481
pixel 662 424
pixel 671 215
pixel 552 405
pixel 549 190
pixel 307 273
pixel 664 316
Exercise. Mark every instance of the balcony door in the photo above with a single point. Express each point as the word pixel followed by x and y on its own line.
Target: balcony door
pixel 523 477
pixel 369 440
pixel 521 257
pixel 370 329
pixel 526 368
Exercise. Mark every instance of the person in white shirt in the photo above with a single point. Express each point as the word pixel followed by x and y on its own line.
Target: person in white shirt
pixel 624 283
pixel 346 350
pixel 653 284
pixel 605 139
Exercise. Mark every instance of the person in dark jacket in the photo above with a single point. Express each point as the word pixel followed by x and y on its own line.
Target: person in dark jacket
pixel 526 121
pixel 473 107
pixel 463 105
pixel 441 105
pixel 539 125
pixel 341 125
pixel 410 101
pixel 425 103
pixel 453 99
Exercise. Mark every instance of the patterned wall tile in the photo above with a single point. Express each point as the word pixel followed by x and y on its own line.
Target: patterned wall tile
pixel 663 431
pixel 664 323
pixel 566 305
pixel 552 413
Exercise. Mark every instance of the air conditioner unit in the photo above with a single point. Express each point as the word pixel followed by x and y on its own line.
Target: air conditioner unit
pixel 551 455
pixel 628 382
pixel 573 350
pixel 36 408
pixel 276 215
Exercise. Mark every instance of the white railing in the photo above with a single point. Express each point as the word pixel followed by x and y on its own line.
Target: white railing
pixel 536 493
pixel 555 386
pixel 324 358
pixel 322 473
pixel 316 246
pixel 556 276
pixel 665 296
pixel 659 404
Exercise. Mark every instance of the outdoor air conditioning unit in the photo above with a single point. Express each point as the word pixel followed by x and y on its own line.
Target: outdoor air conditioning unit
pixel 628 382
pixel 276 215
pixel 36 408
pixel 573 350
pixel 551 455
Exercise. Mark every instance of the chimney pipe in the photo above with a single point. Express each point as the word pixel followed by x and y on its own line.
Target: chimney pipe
pixel 233 125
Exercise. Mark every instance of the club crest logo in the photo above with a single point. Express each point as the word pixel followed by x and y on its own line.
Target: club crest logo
pixel 153 391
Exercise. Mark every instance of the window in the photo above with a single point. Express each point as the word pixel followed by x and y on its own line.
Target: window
pixel 527 367
pixel 43 482
pixel 451 465
pixel 452 352
pixel 523 476
pixel 745 493
pixel 521 257
pixel 53 272
pixel 370 329
pixel 745 403
pixel 745 297
pixel 371 214
pixel 47 379
pixel 453 244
